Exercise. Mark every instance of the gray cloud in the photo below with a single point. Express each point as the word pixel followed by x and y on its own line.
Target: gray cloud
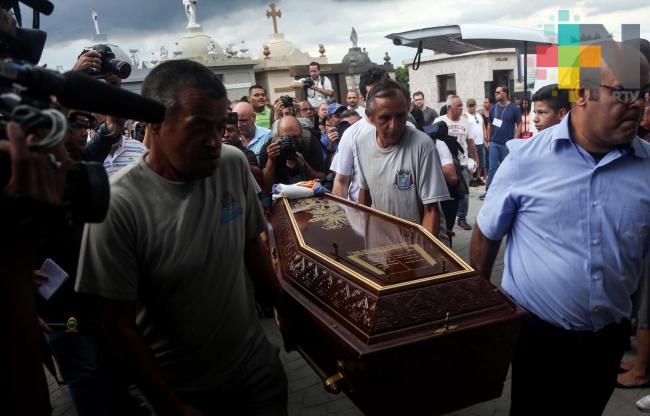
pixel 71 18
pixel 510 15
pixel 603 7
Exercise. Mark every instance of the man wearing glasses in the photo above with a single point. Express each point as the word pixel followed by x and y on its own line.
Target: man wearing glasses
pixel 574 204
pixel 504 124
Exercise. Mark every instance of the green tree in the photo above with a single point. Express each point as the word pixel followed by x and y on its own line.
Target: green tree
pixel 402 76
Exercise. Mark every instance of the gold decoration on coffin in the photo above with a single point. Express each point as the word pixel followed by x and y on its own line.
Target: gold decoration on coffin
pixel 331 216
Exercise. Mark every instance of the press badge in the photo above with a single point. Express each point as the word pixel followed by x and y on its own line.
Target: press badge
pixel 497 122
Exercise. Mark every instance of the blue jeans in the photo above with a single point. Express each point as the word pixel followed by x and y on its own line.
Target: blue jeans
pixel 463 202
pixel 497 153
pixel 78 360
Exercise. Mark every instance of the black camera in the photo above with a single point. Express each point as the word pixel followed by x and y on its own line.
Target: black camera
pixel 342 127
pixel 110 64
pixel 287 148
pixel 287 101
pixel 308 83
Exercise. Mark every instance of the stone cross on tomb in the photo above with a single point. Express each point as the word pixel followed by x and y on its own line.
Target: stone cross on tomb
pixel 273 14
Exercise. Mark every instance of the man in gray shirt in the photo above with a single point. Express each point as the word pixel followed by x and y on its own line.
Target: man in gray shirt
pixel 429 113
pixel 169 264
pixel 399 167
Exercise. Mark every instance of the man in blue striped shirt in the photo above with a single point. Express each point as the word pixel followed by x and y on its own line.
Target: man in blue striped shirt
pixel 574 203
pixel 125 152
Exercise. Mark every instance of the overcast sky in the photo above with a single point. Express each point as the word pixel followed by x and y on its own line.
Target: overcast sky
pixel 149 24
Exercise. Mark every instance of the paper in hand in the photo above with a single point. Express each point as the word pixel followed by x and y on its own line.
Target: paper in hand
pixel 55 278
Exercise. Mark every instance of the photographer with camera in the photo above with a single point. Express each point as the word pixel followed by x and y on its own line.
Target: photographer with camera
pixel 99 61
pixel 316 87
pixel 283 161
pixel 285 106
pixel 109 132
pixel 282 107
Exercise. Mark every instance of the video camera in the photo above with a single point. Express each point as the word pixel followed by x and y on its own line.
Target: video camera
pixel 26 93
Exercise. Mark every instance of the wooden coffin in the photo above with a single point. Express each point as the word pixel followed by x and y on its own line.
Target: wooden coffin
pixel 385 312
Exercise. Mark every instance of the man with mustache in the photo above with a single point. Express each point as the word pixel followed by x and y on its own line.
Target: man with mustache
pixel 179 241
pixel 574 204
pixel 399 167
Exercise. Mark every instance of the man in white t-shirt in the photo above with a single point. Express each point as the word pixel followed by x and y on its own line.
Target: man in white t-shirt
pixel 317 87
pixel 353 103
pixel 461 129
pixel 478 126
pixel 399 167
pixel 344 163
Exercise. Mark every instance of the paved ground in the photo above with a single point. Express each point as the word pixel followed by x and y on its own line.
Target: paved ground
pixel 308 398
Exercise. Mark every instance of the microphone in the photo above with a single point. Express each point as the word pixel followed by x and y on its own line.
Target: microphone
pixel 42 6
pixel 85 93
pixel 79 91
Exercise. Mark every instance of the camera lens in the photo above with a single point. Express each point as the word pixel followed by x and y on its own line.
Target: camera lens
pixel 121 68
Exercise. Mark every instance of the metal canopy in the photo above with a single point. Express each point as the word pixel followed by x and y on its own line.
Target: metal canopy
pixel 457 39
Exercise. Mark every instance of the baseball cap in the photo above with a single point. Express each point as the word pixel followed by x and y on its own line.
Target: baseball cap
pixel 335 108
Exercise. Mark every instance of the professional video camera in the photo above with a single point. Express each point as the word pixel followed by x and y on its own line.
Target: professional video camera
pixel 26 93
pixel 110 64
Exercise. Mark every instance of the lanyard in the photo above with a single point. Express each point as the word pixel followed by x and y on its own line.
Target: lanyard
pixel 504 109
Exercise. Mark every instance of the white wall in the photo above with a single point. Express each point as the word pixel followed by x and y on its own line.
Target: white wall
pixel 471 71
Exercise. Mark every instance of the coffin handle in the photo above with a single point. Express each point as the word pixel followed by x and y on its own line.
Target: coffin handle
pixel 333 383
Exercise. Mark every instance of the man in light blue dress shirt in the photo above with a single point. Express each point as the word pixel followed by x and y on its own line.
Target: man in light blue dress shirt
pixel 253 136
pixel 574 203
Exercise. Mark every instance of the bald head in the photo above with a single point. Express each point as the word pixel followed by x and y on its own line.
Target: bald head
pixel 289 126
pixel 243 109
pixel 246 117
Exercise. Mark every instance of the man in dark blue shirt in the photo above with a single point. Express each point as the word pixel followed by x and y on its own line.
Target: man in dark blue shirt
pixel 504 124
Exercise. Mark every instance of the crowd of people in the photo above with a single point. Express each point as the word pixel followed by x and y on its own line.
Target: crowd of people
pixel 162 294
